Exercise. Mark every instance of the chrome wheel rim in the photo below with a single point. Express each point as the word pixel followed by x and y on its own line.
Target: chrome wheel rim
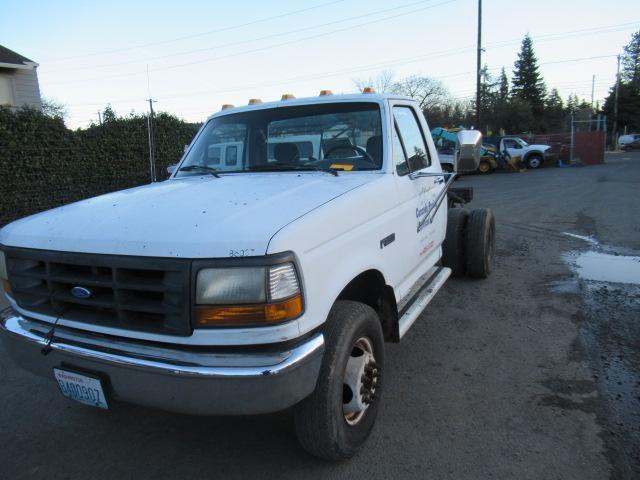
pixel 360 381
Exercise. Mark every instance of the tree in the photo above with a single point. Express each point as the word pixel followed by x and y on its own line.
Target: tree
pixel 517 116
pixel 382 83
pixel 53 109
pixel 573 103
pixel 428 92
pixel 555 113
pixel 631 61
pixel 109 115
pixel 488 97
pixel 629 91
pixel 527 82
pixel 503 86
pixel 628 107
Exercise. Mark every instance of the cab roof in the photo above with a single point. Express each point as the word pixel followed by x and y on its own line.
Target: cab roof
pixel 321 99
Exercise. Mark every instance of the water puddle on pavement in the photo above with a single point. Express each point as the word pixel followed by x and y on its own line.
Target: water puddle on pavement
pixel 607 278
pixel 606 267
pixel 600 266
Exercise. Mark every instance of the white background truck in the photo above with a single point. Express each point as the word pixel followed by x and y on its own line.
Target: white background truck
pixel 267 284
pixel 532 156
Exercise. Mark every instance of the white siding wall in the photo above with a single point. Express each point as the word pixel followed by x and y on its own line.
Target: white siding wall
pixel 26 90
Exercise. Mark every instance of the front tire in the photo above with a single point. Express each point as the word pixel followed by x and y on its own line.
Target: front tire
pixel 534 161
pixel 334 422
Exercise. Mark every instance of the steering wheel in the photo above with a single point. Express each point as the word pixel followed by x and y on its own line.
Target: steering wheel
pixel 363 153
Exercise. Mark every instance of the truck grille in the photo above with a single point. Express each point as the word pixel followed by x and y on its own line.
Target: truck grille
pixel 135 293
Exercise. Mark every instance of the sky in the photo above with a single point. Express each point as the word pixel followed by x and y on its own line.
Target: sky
pixel 193 56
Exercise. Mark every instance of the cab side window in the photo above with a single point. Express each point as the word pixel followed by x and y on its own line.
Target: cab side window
pixel 411 138
pixel 399 156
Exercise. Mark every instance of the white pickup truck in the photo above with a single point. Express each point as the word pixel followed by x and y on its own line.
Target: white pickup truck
pixel 533 156
pixel 257 277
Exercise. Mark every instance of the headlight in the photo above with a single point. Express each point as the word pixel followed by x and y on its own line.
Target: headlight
pixel 225 286
pixel 247 296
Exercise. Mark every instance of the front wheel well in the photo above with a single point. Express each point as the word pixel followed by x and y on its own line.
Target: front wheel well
pixel 371 289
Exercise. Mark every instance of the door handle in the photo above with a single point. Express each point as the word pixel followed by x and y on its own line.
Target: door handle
pixel 438 180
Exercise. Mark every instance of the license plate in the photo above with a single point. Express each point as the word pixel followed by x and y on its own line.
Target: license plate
pixel 81 388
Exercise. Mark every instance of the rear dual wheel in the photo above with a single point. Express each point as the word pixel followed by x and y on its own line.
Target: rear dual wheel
pixel 480 243
pixel 469 245
pixel 336 419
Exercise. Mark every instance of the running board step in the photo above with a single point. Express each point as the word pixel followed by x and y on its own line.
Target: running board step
pixel 412 311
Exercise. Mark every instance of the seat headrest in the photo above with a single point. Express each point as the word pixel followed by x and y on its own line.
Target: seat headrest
pixel 286 152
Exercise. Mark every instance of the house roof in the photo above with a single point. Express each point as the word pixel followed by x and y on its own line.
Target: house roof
pixel 10 57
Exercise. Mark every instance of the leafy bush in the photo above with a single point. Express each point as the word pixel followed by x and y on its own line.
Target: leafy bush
pixel 45 165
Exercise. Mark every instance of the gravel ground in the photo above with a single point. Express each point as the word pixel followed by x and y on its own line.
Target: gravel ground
pixel 532 373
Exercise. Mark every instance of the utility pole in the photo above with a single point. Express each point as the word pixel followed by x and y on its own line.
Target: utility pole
pixel 614 130
pixel 152 147
pixel 593 84
pixel 100 117
pixel 479 66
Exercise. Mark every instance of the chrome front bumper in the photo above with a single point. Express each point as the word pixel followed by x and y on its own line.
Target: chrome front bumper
pixel 197 381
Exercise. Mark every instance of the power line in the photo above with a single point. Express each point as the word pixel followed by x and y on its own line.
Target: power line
pixel 498 44
pixel 571 33
pixel 361 68
pixel 241 42
pixel 260 49
pixel 200 34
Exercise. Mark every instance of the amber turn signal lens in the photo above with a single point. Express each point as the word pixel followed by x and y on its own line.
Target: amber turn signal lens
pixel 7 287
pixel 249 315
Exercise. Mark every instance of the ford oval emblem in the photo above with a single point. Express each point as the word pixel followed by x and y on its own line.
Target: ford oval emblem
pixel 81 292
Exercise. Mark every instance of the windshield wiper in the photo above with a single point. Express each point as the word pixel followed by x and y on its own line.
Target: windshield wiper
pixel 209 170
pixel 293 166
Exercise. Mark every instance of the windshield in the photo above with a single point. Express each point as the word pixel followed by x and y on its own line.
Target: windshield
pixel 523 143
pixel 337 137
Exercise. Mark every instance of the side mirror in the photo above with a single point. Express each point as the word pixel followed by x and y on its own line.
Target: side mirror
pixel 468 155
pixel 172 168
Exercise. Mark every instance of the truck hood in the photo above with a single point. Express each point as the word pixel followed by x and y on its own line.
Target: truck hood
pixel 542 148
pixel 195 217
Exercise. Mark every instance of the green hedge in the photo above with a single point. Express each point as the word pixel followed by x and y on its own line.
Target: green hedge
pixel 44 164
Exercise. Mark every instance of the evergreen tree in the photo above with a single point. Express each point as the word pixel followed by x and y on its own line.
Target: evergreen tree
pixel 527 82
pixel 555 113
pixel 628 107
pixel 503 85
pixel 572 103
pixel 488 96
pixel 631 61
pixel 629 92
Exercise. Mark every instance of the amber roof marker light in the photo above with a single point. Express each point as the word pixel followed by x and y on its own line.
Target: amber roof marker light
pixel 288 96
pixel 368 90
pixel 324 93
pixel 227 106
pixel 254 101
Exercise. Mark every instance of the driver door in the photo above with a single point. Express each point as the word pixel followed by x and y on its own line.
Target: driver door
pixel 422 226
pixel 513 147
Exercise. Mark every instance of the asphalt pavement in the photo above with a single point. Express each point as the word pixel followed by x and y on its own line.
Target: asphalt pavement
pixel 530 374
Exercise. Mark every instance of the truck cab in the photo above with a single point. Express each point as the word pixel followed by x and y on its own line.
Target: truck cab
pixel 291 241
